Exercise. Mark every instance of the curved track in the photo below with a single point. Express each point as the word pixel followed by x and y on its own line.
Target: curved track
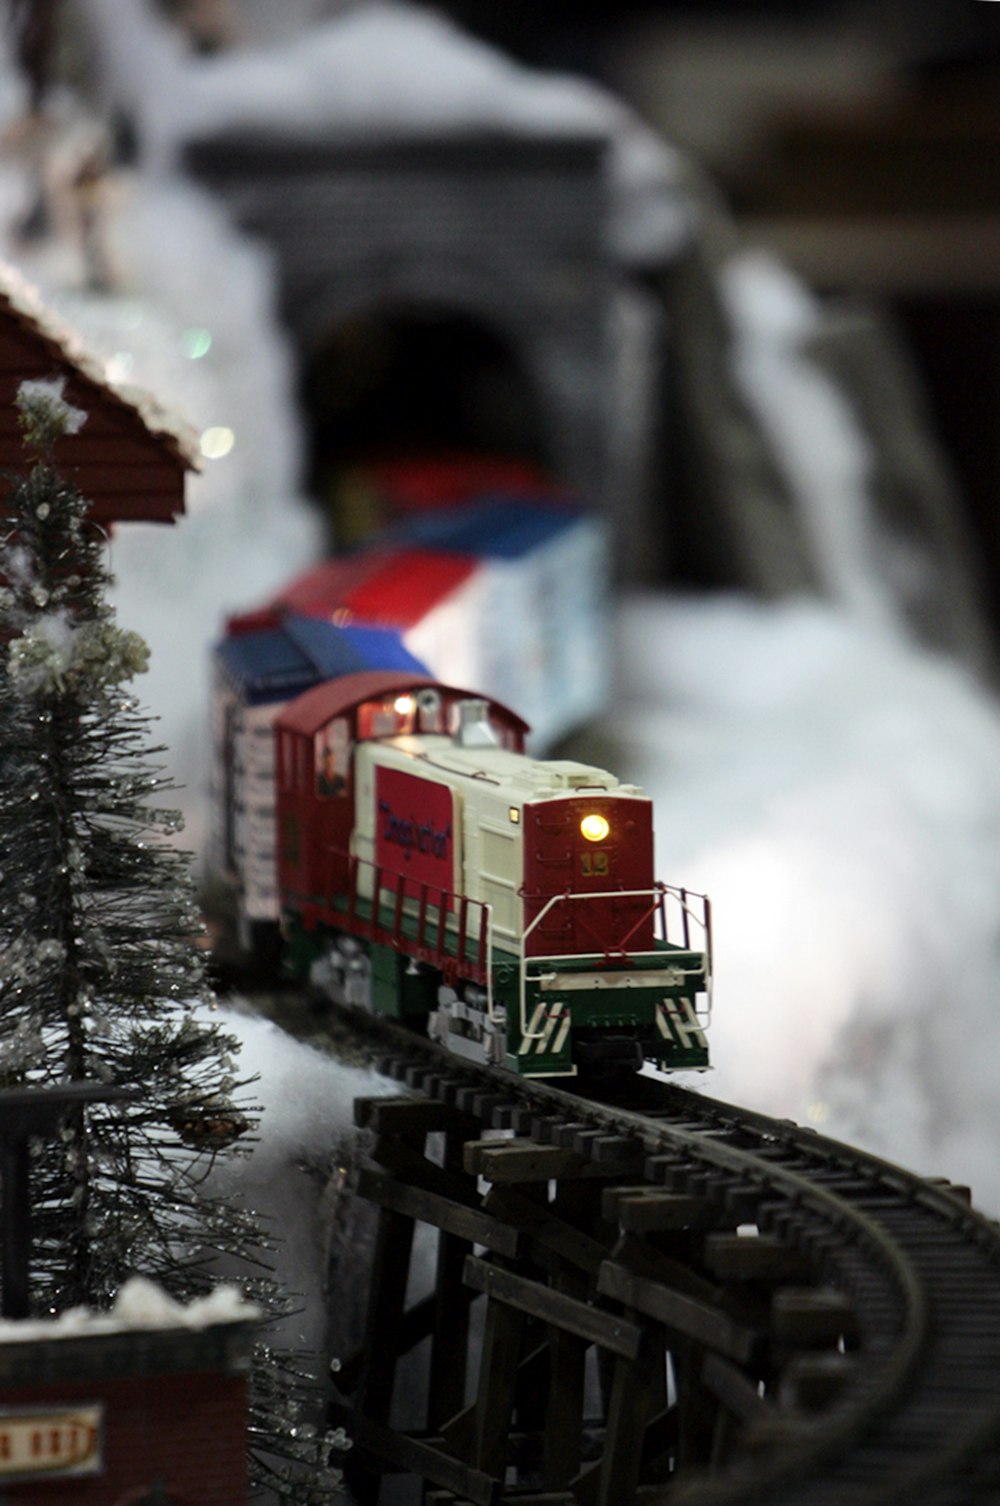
pixel 827 1323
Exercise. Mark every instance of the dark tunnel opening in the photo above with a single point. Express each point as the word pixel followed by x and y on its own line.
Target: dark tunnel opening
pixel 391 386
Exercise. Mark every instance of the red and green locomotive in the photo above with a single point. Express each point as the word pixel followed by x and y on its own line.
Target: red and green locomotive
pixel 427 864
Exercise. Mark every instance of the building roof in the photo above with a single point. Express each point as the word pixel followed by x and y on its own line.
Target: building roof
pixel 407 586
pixel 319 590
pixel 131 456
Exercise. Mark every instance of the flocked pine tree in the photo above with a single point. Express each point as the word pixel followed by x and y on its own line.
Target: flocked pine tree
pixel 100 975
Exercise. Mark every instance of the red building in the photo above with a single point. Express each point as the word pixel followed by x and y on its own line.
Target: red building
pixel 127 1417
pixel 130 458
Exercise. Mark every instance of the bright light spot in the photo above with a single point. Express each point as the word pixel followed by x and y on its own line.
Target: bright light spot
pixel 217 442
pixel 595 828
pixel 196 343
pixel 119 367
pixel 403 705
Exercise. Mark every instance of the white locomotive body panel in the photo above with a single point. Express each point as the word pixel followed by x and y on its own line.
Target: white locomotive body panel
pixel 489 789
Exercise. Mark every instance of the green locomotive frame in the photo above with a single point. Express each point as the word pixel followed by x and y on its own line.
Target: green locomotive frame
pixel 547 1006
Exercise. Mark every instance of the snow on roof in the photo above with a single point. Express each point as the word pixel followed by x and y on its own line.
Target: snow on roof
pixel 140 1304
pixel 23 302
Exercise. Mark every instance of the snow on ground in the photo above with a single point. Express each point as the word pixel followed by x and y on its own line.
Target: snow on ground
pixel 835 790
pixel 195 324
pixel 305 1126
pixel 218 357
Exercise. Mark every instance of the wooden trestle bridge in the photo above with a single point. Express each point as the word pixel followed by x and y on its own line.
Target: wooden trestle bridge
pixel 678 1302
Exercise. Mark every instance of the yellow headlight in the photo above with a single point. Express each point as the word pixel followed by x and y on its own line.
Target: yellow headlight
pixel 595 828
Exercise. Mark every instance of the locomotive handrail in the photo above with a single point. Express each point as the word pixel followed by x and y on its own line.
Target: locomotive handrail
pixel 435 908
pixel 620 949
pixel 659 894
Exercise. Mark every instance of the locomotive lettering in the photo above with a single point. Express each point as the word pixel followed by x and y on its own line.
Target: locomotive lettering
pixel 414 828
pixel 412 835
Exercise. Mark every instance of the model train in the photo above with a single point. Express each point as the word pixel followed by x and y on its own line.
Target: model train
pixel 394 828
pixel 427 863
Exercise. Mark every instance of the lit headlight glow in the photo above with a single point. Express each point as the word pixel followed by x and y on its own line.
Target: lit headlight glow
pixel 595 828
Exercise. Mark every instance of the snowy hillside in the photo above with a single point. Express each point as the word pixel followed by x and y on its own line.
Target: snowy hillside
pixel 835 790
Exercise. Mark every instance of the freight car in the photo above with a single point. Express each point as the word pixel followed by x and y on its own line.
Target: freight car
pixel 508 904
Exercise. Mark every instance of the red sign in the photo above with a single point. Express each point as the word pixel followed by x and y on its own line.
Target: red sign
pixel 37 1444
pixel 415 828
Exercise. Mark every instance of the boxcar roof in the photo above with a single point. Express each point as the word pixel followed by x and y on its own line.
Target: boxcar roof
pixel 277 661
pixel 494 527
pixel 314 708
pixel 388 587
pixel 131 456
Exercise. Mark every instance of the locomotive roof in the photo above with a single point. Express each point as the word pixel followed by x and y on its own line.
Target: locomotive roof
pixel 314 708
pixel 530 778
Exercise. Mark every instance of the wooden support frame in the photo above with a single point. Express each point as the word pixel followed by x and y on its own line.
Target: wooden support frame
pixel 561 1255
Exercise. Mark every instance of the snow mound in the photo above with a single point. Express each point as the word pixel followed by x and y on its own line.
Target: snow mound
pixel 834 790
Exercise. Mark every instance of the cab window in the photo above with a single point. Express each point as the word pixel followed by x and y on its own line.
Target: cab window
pixel 333 757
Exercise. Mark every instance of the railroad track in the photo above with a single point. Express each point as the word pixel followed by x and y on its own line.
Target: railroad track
pixel 684 1303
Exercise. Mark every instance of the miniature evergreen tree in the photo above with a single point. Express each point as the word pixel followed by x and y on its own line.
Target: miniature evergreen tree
pixel 100 975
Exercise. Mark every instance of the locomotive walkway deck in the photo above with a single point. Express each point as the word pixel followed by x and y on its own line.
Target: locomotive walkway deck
pixel 683 1302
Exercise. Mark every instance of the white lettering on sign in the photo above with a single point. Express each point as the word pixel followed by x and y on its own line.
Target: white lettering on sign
pixel 37 1444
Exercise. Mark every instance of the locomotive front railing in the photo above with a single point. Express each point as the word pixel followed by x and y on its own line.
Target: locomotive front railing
pixel 695 911
pixel 442 935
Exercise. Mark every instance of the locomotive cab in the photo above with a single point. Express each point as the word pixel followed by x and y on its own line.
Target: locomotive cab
pixel 317 739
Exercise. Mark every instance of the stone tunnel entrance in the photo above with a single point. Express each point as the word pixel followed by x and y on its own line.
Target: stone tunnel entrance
pixel 448 288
